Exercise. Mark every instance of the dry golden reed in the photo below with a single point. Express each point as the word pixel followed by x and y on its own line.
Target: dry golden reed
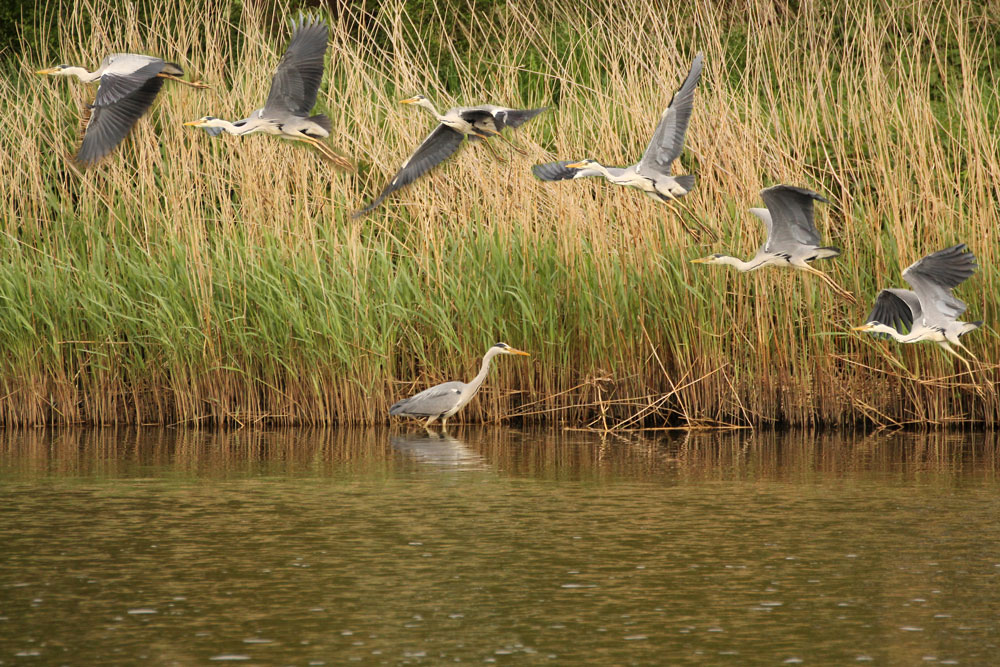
pixel 192 280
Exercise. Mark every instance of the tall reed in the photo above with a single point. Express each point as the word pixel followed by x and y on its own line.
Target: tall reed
pixel 195 280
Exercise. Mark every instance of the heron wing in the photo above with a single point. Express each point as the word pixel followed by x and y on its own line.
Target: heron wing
pixel 437 147
pixel 108 125
pixel 933 278
pixel 668 138
pixel 297 78
pixel 430 402
pixel 514 117
pixel 124 76
pixel 790 210
pixel 896 308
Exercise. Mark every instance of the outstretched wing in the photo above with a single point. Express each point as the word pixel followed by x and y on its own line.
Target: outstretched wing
pixel 437 147
pixel 514 117
pixel 124 74
pixel 430 402
pixel 296 81
pixel 668 139
pixel 896 308
pixel 933 278
pixel 790 210
pixel 108 125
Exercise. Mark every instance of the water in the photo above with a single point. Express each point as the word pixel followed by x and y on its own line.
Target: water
pixel 299 548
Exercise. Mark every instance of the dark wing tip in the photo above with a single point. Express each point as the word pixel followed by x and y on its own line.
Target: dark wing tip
pixel 792 189
pixel 554 171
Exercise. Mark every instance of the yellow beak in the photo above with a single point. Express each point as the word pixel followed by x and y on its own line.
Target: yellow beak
pixel 409 100
pixel 576 165
pixel 520 352
pixel 193 123
pixel 863 327
pixel 701 260
pixel 48 70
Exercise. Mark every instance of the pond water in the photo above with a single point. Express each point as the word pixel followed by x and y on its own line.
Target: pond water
pixel 400 547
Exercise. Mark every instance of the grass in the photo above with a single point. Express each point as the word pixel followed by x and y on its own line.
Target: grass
pixel 191 280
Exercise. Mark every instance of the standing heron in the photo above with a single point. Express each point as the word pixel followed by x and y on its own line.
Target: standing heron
pixel 443 400
pixel 930 311
pixel 128 84
pixel 294 87
pixel 792 238
pixel 652 174
pixel 480 122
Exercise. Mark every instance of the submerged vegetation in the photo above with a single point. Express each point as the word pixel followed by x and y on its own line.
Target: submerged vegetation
pixel 192 280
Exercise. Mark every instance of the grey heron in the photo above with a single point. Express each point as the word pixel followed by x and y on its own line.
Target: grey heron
pixel 294 88
pixel 479 122
pixel 930 311
pixel 128 84
pixel 652 174
pixel 443 400
pixel 792 238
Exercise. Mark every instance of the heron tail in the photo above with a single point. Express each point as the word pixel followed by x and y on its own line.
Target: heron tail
pixel 686 181
pixel 970 327
pixel 827 252
pixel 173 69
pixel 323 121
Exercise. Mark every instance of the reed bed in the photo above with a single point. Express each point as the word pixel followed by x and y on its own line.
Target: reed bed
pixel 191 280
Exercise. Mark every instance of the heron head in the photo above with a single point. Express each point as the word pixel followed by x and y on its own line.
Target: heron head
pixel 714 258
pixel 504 348
pixel 416 99
pixel 583 164
pixel 58 70
pixel 204 121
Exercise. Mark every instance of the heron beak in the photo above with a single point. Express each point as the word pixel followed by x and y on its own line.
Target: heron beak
pixel 863 327
pixel 49 70
pixel 409 100
pixel 520 352
pixel 193 123
pixel 701 260
pixel 576 165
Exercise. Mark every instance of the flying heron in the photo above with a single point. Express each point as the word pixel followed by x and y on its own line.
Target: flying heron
pixel 480 122
pixel 292 96
pixel 792 239
pixel 128 85
pixel 443 400
pixel 930 312
pixel 652 174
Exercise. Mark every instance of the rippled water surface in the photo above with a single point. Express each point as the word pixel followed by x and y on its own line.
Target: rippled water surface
pixel 305 547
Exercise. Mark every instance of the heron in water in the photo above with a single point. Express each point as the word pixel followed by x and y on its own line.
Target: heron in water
pixel 652 174
pixel 294 88
pixel 128 84
pixel 930 311
pixel 792 238
pixel 443 400
pixel 479 122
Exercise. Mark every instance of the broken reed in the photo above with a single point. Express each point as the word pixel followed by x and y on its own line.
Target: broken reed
pixel 192 280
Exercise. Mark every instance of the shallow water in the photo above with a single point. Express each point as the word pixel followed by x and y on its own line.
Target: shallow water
pixel 317 547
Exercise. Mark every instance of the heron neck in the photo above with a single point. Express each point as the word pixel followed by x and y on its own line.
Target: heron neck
pixel 427 104
pixel 230 127
pixel 82 74
pixel 738 263
pixel 483 370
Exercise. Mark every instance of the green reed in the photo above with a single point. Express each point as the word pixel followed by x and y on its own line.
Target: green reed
pixel 196 280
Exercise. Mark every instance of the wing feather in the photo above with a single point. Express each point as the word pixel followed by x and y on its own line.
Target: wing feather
pixel 790 211
pixel 668 138
pixel 108 125
pixel 298 76
pixel 934 276
pixel 896 308
pixel 118 84
pixel 435 149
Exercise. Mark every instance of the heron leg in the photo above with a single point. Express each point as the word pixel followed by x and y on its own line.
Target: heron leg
pixel 677 211
pixel 829 281
pixel 430 420
pixel 487 142
pixel 193 84
pixel 327 152
pixel 505 140
pixel 947 348
pixel 967 351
